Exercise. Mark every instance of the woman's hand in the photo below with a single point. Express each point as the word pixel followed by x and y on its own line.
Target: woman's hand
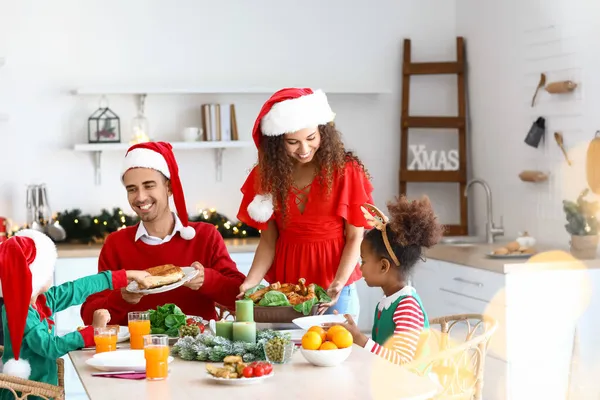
pixel 358 337
pixel 334 291
pixel 244 287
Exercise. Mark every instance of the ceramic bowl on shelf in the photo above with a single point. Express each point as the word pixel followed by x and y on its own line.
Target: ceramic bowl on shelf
pixel 326 358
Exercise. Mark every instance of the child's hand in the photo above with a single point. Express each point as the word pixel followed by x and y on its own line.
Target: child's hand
pixel 138 276
pixel 101 318
pixel 357 336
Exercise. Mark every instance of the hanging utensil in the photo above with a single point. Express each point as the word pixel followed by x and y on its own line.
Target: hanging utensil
pixel 540 85
pixel 53 228
pixel 559 140
pixel 35 222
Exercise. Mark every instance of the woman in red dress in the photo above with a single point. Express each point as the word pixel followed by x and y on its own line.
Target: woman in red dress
pixel 305 195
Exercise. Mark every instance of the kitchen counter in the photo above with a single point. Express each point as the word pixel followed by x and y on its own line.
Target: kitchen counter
pixel 475 256
pixel 68 250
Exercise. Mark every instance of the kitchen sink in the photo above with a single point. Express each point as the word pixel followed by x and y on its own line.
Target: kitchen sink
pixel 462 240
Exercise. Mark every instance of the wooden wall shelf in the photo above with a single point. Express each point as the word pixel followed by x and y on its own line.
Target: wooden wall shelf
pixel 98 148
pixel 130 90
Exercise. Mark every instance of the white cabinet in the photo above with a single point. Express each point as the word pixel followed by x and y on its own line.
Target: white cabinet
pixel 66 270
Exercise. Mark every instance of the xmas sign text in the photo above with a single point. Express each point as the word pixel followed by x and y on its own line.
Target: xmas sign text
pixel 432 160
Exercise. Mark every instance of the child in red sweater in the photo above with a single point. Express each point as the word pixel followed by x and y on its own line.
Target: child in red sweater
pixel 150 175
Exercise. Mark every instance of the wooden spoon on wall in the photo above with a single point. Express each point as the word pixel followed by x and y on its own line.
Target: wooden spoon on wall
pixel 540 85
pixel 559 139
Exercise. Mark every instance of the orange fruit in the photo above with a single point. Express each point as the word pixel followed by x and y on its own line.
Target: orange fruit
pixel 320 331
pixel 328 346
pixel 342 339
pixel 333 330
pixel 311 341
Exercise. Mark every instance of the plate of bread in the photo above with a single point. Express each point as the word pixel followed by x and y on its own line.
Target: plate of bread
pixel 512 250
pixel 162 279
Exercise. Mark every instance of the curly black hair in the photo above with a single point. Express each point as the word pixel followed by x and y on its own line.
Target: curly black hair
pixel 413 225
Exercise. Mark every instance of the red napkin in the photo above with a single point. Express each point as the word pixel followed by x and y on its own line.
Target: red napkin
pixel 135 375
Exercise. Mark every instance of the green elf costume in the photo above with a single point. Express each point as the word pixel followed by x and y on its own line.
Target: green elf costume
pixel 31 346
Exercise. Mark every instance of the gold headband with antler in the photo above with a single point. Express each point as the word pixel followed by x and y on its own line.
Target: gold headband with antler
pixel 379 220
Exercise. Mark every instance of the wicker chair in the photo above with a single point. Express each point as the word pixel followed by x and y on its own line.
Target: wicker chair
pixel 457 366
pixel 23 388
pixel 223 313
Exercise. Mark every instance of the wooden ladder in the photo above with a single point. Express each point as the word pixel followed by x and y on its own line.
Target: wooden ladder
pixel 459 122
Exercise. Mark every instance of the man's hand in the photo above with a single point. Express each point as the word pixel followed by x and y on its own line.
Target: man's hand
pixel 198 281
pixel 101 318
pixel 131 298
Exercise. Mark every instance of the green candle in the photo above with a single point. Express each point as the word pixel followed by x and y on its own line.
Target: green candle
pixel 244 311
pixel 224 329
pixel 244 332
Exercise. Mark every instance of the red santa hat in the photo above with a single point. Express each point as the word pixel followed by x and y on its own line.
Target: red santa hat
pixel 159 156
pixel 287 111
pixel 26 266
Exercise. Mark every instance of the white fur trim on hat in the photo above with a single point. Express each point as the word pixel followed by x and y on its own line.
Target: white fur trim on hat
pixel 293 115
pixel 42 267
pixel 19 368
pixel 261 208
pixel 145 158
pixel 188 233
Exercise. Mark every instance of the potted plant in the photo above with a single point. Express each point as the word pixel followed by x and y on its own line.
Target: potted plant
pixel 582 224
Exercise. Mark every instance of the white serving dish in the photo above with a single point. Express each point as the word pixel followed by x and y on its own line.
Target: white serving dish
pixel 326 358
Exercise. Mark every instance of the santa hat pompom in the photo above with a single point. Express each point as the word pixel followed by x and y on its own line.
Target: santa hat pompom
pixel 261 207
pixel 188 233
pixel 19 368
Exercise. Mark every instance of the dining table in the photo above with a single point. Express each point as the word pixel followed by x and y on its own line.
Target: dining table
pixel 362 375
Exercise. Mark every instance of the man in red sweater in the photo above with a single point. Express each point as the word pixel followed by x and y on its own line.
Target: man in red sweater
pixel 150 175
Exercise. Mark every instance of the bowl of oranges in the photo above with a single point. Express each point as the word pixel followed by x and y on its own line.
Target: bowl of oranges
pixel 326 347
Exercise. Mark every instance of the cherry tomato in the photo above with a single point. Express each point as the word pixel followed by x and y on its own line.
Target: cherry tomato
pixel 268 367
pixel 259 370
pixel 201 328
pixel 248 372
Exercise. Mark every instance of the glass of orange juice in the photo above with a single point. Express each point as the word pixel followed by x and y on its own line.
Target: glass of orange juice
pixel 139 326
pixel 105 339
pixel 156 353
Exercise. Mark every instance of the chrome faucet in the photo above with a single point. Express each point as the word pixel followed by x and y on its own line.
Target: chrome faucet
pixel 491 230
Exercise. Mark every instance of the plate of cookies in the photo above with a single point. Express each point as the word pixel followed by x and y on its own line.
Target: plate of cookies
pixel 512 250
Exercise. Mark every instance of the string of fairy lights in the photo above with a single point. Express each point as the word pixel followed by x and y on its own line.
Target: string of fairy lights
pixel 85 228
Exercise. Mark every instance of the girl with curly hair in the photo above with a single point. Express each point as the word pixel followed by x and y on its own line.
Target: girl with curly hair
pixel 388 254
pixel 305 195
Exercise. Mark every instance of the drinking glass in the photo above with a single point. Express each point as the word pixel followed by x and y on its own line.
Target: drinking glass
pixel 105 339
pixel 156 353
pixel 139 326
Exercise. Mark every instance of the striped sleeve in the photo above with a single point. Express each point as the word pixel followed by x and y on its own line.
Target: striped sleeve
pixel 401 348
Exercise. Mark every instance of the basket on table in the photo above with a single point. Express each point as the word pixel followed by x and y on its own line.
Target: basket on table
pixel 279 314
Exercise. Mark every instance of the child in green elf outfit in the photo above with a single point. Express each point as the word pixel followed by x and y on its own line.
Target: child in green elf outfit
pixel 388 254
pixel 26 270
